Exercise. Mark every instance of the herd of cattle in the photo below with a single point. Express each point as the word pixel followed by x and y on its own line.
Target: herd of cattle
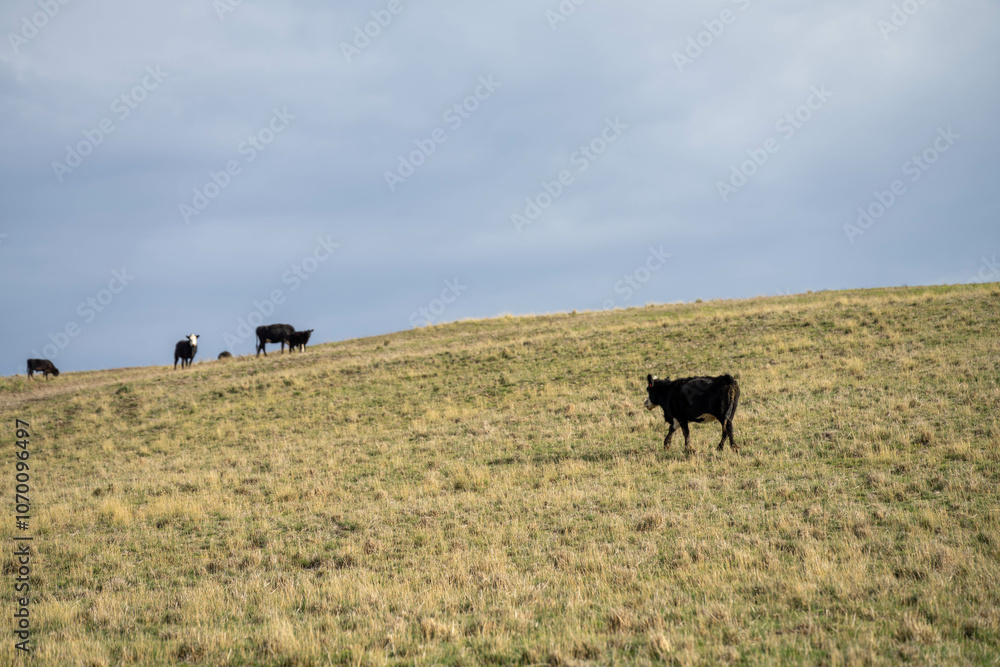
pixel 185 350
pixel 685 401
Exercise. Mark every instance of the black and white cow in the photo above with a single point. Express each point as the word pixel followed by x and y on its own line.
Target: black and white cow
pixel 43 366
pixel 299 340
pixel 697 400
pixel 273 333
pixel 185 350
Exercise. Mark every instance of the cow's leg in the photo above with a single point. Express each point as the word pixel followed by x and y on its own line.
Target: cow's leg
pixel 723 441
pixel 729 432
pixel 670 436
pixel 687 439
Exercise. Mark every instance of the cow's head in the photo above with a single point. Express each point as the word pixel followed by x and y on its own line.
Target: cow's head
pixel 655 391
pixel 55 371
pixel 193 339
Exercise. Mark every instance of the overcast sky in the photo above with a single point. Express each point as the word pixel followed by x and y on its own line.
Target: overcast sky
pixel 171 168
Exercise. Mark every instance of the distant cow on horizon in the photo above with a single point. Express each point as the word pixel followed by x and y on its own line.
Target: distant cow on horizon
pixel 299 339
pixel 273 333
pixel 698 400
pixel 43 366
pixel 185 350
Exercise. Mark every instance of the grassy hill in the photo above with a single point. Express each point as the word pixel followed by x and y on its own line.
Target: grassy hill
pixel 494 492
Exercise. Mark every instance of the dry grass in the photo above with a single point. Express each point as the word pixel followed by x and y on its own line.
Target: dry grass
pixel 493 492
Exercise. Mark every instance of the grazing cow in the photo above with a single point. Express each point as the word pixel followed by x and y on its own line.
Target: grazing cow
pixel 225 355
pixel 299 339
pixel 43 366
pixel 273 333
pixel 185 350
pixel 697 399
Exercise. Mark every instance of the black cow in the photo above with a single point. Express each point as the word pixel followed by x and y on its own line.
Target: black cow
pixel 185 350
pixel 43 366
pixel 698 400
pixel 273 333
pixel 225 355
pixel 299 340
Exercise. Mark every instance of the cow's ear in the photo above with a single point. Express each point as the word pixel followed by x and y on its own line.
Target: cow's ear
pixel 649 379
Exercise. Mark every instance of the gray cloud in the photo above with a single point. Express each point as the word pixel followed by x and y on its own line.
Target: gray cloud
pixel 783 230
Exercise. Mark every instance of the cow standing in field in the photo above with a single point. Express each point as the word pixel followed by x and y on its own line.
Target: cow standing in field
pixel 273 333
pixel 698 400
pixel 185 350
pixel 299 340
pixel 43 366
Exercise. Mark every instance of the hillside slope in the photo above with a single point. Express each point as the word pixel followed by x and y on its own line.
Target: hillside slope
pixel 493 492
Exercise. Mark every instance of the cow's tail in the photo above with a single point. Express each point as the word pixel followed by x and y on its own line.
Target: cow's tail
pixel 732 397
